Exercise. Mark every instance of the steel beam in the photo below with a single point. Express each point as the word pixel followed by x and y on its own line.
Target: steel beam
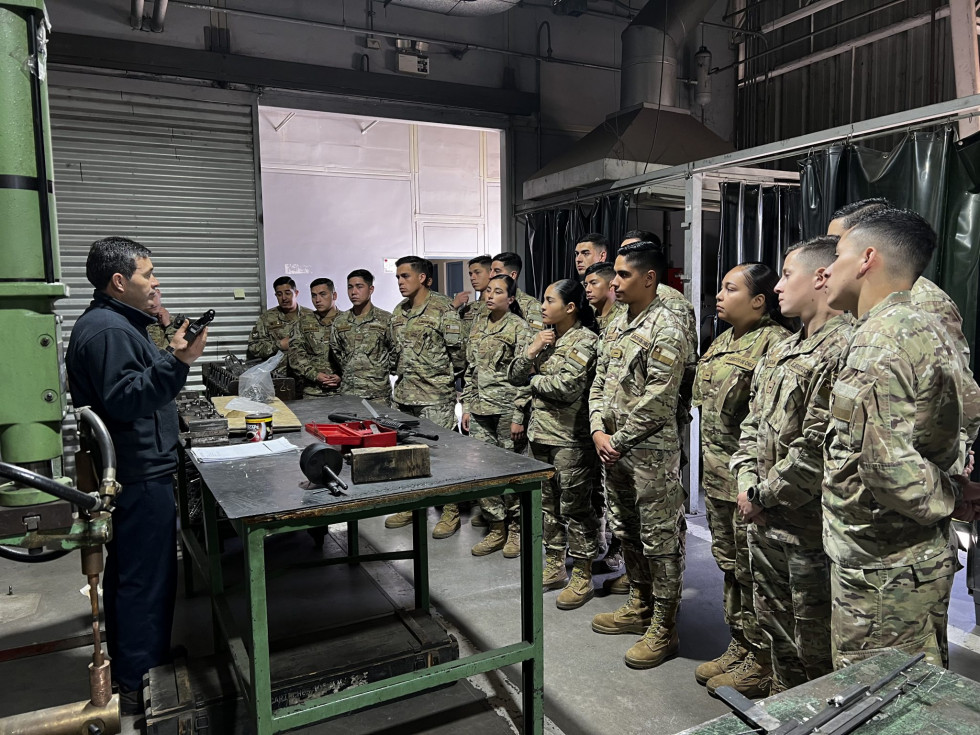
pixel 966 59
pixel 692 290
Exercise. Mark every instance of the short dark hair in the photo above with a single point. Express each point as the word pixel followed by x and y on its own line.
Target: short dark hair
pixel 600 241
pixel 642 236
pixel 855 211
pixel 484 260
pixel 817 252
pixel 904 233
pixel 645 256
pixel 323 282
pixel 604 268
pixel 112 255
pixel 419 265
pixel 282 281
pixel 362 273
pixel 511 261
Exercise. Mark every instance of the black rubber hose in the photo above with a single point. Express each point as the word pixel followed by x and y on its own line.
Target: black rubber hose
pixel 106 449
pixel 16 553
pixel 47 485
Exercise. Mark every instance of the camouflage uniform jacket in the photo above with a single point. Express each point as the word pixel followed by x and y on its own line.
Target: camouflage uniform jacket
pixel 678 303
pixel 897 408
pixel 780 453
pixel 360 350
pixel 639 369
pixel 309 351
pixel 425 351
pixel 272 327
pixel 159 336
pixel 468 313
pixel 531 309
pixel 937 302
pixel 560 385
pixel 489 353
pixel 721 389
pixel 604 321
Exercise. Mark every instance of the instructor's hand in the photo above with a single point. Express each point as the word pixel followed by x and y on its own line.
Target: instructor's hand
pixel 188 353
pixel 604 447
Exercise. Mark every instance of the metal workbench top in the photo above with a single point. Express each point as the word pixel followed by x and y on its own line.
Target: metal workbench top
pixel 266 488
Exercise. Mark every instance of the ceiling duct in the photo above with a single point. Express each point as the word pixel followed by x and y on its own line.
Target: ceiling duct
pixel 650 130
pixel 456 7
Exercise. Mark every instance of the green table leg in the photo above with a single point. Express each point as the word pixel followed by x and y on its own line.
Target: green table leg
pixel 532 669
pixel 212 544
pixel 420 558
pixel 353 540
pixel 260 671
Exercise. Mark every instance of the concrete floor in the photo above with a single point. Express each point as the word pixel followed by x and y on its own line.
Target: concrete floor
pixel 588 689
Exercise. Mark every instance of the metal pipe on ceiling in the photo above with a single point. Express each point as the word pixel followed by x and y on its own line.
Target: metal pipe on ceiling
pixel 459 46
pixel 804 12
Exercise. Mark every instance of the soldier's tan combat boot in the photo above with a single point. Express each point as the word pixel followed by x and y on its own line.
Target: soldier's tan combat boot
pixel 750 678
pixel 659 643
pixel 620 585
pixel 398 520
pixel 554 575
pixel 512 548
pixel 493 541
pixel 632 618
pixel 449 522
pixel 579 589
pixel 725 663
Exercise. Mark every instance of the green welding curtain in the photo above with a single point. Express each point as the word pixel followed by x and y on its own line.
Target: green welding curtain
pixel 929 172
pixel 550 237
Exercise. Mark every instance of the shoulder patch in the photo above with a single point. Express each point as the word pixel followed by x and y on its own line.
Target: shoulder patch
pixel 745 363
pixel 536 324
pixel 579 357
pixel 452 327
pixel 664 355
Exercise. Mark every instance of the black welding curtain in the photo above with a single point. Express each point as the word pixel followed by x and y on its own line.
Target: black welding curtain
pixel 929 172
pixel 550 237
pixel 758 223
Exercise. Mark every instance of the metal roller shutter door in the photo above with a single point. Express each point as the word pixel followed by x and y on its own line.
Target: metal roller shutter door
pixel 178 176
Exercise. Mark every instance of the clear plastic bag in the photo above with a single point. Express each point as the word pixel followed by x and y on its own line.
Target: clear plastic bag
pixel 255 383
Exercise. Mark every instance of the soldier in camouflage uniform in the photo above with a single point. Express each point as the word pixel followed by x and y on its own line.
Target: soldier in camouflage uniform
pixel 479 273
pixel 309 348
pixel 426 352
pixel 275 327
pixel 721 390
pixel 494 410
pixel 633 419
pixel 359 342
pixel 779 471
pixel 510 264
pixel 164 330
pixel 560 363
pixel 598 276
pixel 897 410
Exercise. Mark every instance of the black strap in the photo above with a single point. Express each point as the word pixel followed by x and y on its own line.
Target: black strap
pixel 11 181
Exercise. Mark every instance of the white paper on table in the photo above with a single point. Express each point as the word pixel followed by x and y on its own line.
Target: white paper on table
pixel 243 451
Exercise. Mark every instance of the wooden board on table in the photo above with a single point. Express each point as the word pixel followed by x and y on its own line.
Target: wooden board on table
pixel 381 464
pixel 282 418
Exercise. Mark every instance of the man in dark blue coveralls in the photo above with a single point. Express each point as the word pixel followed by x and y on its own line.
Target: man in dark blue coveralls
pixel 131 384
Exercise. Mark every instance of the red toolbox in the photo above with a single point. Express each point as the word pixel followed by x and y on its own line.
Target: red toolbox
pixel 354 434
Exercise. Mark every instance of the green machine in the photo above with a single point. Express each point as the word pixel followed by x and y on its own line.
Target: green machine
pixel 42 515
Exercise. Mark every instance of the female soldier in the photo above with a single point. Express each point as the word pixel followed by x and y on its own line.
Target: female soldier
pixel 493 408
pixel 721 389
pixel 563 360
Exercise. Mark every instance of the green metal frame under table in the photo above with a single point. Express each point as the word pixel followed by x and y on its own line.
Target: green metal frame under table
pixel 264 497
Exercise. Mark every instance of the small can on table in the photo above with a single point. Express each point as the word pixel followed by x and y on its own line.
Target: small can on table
pixel 258 427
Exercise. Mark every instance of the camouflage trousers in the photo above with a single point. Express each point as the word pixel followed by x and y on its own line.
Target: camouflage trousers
pixel 443 414
pixel 646 513
pixel 792 606
pixel 496 430
pixel 566 504
pixel 730 548
pixel 904 608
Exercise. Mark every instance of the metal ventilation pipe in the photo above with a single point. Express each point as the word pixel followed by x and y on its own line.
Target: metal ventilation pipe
pixel 650 48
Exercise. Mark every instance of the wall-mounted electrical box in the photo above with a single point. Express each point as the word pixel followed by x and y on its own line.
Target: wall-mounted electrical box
pixel 409 63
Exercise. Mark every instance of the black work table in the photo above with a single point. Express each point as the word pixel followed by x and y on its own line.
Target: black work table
pixel 266 496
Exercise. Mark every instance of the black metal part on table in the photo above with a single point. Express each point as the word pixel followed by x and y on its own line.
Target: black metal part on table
pixel 844 713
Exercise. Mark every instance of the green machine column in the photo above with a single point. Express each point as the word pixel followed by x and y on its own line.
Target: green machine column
pixel 31 376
